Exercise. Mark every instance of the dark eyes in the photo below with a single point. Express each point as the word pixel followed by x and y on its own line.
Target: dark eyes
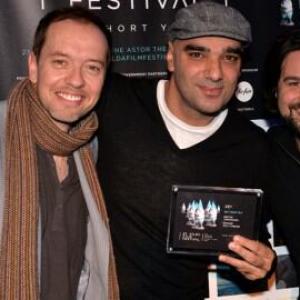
pixel 196 54
pixel 93 68
pixel 293 83
pixel 59 62
pixel 90 67
pixel 230 58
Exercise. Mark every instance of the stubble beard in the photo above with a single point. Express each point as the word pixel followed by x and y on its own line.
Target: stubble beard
pixel 293 119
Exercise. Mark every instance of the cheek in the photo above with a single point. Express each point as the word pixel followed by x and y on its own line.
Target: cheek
pixel 232 75
pixel 48 78
pixel 43 84
pixel 95 88
pixel 231 85
pixel 284 99
pixel 230 79
pixel 283 109
pixel 190 75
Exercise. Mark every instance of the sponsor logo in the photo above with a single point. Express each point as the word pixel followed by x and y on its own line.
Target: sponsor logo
pixel 244 92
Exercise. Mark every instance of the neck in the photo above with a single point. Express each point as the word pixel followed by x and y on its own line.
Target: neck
pixel 62 126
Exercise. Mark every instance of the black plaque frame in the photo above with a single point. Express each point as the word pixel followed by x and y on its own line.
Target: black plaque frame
pixel 222 213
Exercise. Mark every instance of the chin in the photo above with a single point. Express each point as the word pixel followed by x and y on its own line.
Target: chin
pixel 215 111
pixel 66 121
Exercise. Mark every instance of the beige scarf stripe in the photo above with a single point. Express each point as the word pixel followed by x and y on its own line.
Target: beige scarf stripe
pixel 94 185
pixel 93 182
pixel 28 123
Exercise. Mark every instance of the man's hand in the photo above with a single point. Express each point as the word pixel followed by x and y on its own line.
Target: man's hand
pixel 256 258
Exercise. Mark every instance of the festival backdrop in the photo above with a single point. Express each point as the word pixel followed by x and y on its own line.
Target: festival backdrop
pixel 139 45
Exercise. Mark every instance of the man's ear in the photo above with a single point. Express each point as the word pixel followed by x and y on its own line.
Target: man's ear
pixel 32 67
pixel 170 58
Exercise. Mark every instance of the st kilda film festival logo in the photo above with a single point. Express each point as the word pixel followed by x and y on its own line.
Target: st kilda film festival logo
pixel 198 216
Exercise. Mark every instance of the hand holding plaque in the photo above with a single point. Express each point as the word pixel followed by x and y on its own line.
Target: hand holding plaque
pixel 203 220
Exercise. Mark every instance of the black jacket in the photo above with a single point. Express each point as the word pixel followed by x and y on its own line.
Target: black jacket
pixel 285 204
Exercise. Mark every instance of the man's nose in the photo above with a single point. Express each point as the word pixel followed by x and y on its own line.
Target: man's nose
pixel 214 69
pixel 76 77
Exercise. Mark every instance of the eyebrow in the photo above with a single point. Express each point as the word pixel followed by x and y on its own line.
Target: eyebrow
pixel 196 48
pixel 58 53
pixel 235 50
pixel 287 78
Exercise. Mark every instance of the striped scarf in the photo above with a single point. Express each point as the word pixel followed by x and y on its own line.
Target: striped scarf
pixel 28 123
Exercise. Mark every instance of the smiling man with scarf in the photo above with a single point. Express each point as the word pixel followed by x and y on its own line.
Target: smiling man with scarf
pixel 55 239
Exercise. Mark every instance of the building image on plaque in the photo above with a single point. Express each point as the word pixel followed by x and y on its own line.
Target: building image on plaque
pixel 197 215
pixel 287 13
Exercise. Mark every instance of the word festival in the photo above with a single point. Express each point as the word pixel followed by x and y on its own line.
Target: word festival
pixel 131 4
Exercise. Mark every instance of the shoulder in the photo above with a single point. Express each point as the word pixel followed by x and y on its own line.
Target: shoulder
pixel 120 85
pixel 244 137
pixel 283 140
pixel 243 128
pixel 121 94
pixel 281 135
pixel 278 132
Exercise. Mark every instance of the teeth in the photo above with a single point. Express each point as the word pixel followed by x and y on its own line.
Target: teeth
pixel 70 97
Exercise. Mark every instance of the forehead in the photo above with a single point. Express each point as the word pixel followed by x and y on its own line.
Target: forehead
pixel 80 35
pixel 291 63
pixel 210 43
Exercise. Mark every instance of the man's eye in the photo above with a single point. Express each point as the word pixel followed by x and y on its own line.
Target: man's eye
pixel 59 62
pixel 195 54
pixel 293 83
pixel 95 69
pixel 231 58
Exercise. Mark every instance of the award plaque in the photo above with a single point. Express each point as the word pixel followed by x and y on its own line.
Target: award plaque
pixel 203 220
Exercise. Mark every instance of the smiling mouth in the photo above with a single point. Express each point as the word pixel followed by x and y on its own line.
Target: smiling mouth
pixel 70 97
pixel 212 91
pixel 294 109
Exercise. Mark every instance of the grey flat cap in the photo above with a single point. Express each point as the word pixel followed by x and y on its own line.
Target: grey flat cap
pixel 208 18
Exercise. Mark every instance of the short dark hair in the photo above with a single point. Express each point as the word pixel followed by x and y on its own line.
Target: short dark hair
pixel 286 43
pixel 76 13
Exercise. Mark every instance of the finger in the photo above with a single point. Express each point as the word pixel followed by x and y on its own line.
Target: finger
pixel 252 276
pixel 252 245
pixel 247 255
pixel 246 269
pixel 256 253
pixel 238 264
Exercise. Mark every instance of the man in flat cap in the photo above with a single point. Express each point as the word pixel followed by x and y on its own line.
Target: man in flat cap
pixel 154 135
